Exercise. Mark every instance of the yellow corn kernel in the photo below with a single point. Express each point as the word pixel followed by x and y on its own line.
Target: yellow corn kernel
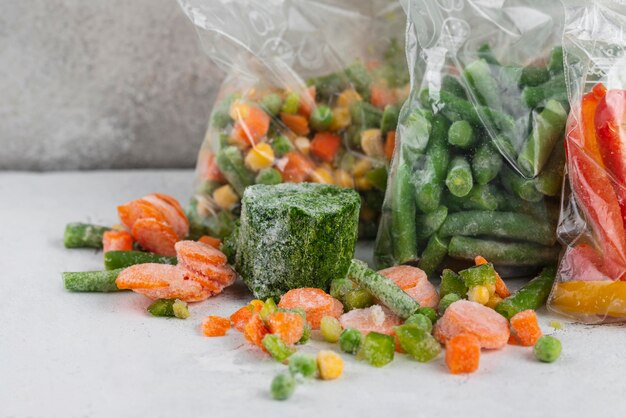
pixel 260 157
pixel 118 227
pixel 367 214
pixel 361 183
pixel 225 197
pixel 341 119
pixel 322 175
pixel 344 179
pixel 491 288
pixel 361 167
pixel 372 143
pixel 239 110
pixel 329 364
pixel 347 97
pixel 478 294
pixel 493 301
pixel 302 144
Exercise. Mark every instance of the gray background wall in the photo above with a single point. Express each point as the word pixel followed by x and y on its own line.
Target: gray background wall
pixel 101 84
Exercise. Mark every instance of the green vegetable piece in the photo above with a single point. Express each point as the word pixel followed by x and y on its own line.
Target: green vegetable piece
pixel 350 340
pixel 483 84
pixel 522 187
pixel 330 329
pixel 169 308
pixel 229 244
pixel 80 235
pixel 430 223
pixel 378 177
pixel 421 321
pixel 306 335
pixel 359 77
pixel 268 176
pixel 459 179
pixel 277 347
pixel 550 180
pixel 340 287
pixel 389 120
pixel 555 64
pixel 534 76
pixel 547 349
pixel 452 283
pixel 417 342
pixel 269 307
pixel 461 134
pixel 321 117
pixel 502 253
pixel 531 296
pixel 430 175
pixel 481 197
pixel 509 225
pixel 384 289
pixel 114 260
pixel 416 128
pixel 181 310
pixel 282 387
pixel 485 53
pixel 429 313
pixel 295 235
pixel 486 163
pixel 220 117
pixel 446 301
pixel 365 115
pixel 452 85
pixel 272 103
pixel 357 299
pixel 533 96
pixel 301 364
pixel 377 349
pixel 291 103
pixel 403 227
pixel 281 145
pixel 481 275
pixel 434 254
pixel 329 85
pixel 231 164
pixel 91 281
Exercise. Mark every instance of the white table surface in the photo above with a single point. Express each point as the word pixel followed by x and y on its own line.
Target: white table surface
pixel 73 355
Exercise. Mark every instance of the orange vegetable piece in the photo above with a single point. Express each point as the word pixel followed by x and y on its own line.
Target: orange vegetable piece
pixel 315 302
pixel 382 96
pixel 296 167
pixel 325 146
pixel 390 144
pixel 117 241
pixel 252 126
pixel 155 235
pixel 212 241
pixel 197 255
pixel 131 212
pixel 256 305
pixel 289 326
pixel 207 168
pixel 298 124
pixel 306 103
pixel 501 289
pixel 241 317
pixel 373 319
pixel 173 214
pixel 526 327
pixel 414 281
pixel 465 317
pixel 255 330
pixel 463 354
pixel 513 340
pixel 215 326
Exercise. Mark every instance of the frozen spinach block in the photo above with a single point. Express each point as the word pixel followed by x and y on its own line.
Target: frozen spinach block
pixel 295 235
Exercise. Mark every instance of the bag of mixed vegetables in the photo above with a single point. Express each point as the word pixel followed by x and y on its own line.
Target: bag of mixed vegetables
pixel 479 163
pixel 312 94
pixel 590 284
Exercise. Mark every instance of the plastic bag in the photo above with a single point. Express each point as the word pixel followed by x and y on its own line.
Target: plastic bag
pixel 479 163
pixel 312 93
pixel 590 284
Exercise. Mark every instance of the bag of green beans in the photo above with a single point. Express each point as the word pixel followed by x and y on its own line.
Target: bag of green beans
pixel 478 165
pixel 312 93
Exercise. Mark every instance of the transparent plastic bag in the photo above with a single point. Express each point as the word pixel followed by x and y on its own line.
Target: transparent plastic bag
pixel 312 93
pixel 590 284
pixel 478 165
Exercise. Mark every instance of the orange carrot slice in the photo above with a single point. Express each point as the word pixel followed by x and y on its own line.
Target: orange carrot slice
pixel 296 167
pixel 501 289
pixel 373 319
pixel 381 96
pixel 241 317
pixel 298 124
pixel 463 354
pixel 390 144
pixel 315 302
pixel 255 330
pixel 414 282
pixel 117 241
pixel 526 327
pixel 325 146
pixel 131 212
pixel 155 235
pixel 212 241
pixel 215 326
pixel 288 326
pixel 172 216
pixel 253 125
pixel 199 257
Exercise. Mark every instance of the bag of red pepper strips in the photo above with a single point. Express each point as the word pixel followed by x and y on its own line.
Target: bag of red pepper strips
pixel 591 279
pixel 312 94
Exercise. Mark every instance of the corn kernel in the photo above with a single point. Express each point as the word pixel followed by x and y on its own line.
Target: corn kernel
pixel 347 97
pixel 491 288
pixel 361 167
pixel 361 183
pixel 367 214
pixel 322 175
pixel 372 143
pixel 344 179
pixel 260 157
pixel 225 197
pixel 341 119
pixel 493 301
pixel 239 110
pixel 303 144
pixel 478 294
pixel 329 364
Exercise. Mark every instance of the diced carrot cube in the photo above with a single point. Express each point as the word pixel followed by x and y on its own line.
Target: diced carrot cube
pixel 390 144
pixel 325 146
pixel 117 241
pixel 215 326
pixel 241 317
pixel 255 330
pixel 526 327
pixel 381 96
pixel 289 326
pixel 463 354
pixel 296 168
pixel 298 124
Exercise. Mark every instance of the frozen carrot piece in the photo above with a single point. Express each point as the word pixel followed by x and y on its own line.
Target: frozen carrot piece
pixel 175 218
pixel 315 302
pixel 204 260
pixel 289 326
pixel 296 167
pixel 252 125
pixel 207 168
pixel 325 146
pixel 298 124
pixel 117 241
pixel 373 319
pixel 381 96
pixel 390 144
pixel 131 212
pixel 212 241
pixel 241 317
pixel 414 282
pixel 255 330
pixel 307 102
pixel 215 326
pixel 463 354
pixel 155 236
pixel 513 340
pixel 465 317
pixel 501 289
pixel 526 327
pixel 146 276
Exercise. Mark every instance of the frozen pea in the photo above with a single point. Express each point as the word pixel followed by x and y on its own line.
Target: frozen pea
pixel 268 176
pixel 421 321
pixel 377 349
pixel 547 349
pixel 281 145
pixel 417 342
pixel 272 103
pixel 358 299
pixel 350 340
pixel 429 313
pixel 302 364
pixel 330 328
pixel 339 287
pixel 321 118
pixel 291 103
pixel 277 347
pixel 282 386
pixel 446 301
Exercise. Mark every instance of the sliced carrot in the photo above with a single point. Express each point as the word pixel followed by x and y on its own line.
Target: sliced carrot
pixel 117 241
pixel 373 319
pixel 315 302
pixel 215 326
pixel 131 212
pixel 325 146
pixel 382 96
pixel 253 125
pixel 255 330
pixel 390 144
pixel 288 326
pixel 155 235
pixel 501 289
pixel 298 124
pixel 197 255
pixel 296 167
pixel 146 276
pixel 463 354
pixel 414 282
pixel 526 327
pixel 178 221
pixel 212 241
pixel 241 317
